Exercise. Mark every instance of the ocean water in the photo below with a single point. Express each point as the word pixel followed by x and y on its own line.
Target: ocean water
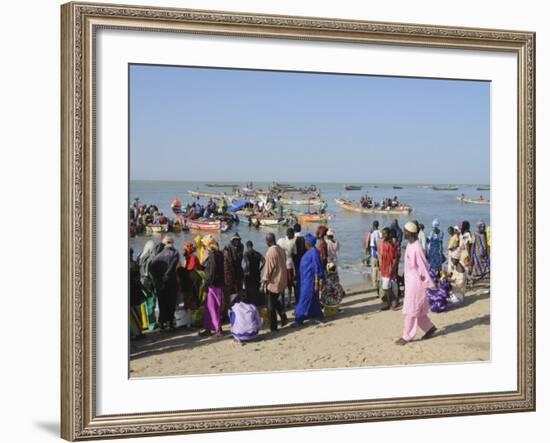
pixel 349 227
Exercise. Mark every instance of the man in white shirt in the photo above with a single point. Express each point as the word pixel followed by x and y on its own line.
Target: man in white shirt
pixel 375 238
pixel 422 237
pixel 288 243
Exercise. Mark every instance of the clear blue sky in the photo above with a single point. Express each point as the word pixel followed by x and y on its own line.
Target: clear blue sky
pixel 237 125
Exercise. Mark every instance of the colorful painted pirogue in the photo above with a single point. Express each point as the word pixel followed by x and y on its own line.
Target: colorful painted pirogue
pixel 354 207
pixel 313 218
pixel 156 229
pixel 249 217
pixel 207 225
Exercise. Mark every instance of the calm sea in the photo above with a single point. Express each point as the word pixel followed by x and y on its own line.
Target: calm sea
pixel 349 227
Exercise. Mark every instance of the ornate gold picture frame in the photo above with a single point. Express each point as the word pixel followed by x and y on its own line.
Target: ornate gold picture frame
pixel 80 22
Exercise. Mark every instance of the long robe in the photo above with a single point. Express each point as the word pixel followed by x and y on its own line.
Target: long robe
pixel 309 305
pixel 415 303
pixel 435 251
pixel 480 253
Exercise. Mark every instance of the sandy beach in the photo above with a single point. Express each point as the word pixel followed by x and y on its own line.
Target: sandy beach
pixel 358 336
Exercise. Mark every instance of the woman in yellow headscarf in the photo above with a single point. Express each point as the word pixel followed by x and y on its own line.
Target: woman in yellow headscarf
pixel 200 248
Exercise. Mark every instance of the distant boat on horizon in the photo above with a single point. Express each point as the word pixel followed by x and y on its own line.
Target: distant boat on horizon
pixel 353 187
pixel 222 185
pixel 398 187
pixel 484 188
pixel 445 188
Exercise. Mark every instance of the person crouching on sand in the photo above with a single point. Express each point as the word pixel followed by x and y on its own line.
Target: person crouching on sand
pixel 417 280
pixel 244 319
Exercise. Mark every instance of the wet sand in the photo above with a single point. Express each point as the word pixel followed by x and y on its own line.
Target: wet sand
pixel 358 336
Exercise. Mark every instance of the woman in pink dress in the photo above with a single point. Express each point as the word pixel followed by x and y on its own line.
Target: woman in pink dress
pixel 417 280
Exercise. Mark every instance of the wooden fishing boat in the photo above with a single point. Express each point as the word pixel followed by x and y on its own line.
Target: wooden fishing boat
pixel 207 225
pixel 314 218
pixel 301 202
pixel 483 188
pixel 212 195
pixel 221 185
pixel 398 187
pixel 445 188
pixel 478 201
pixel 354 207
pixel 248 217
pixel 353 187
pixel 156 229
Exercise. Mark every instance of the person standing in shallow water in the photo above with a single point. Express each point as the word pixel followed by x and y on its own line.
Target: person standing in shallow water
pixel 417 280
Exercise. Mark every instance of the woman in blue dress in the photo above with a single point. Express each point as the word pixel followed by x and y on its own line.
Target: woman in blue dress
pixel 311 276
pixel 435 248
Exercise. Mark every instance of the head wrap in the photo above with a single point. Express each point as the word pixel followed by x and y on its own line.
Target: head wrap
pixel 411 227
pixel 330 232
pixel 457 229
pixel 321 231
pixel 310 239
pixel 435 223
pixel 189 247
pixel 480 224
pixel 236 236
pixel 210 242
pixel 168 240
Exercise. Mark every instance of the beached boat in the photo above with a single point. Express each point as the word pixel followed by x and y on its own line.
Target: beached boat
pixel 207 225
pixel 445 188
pixel 478 201
pixel 156 229
pixel 353 188
pixel 314 218
pixel 354 207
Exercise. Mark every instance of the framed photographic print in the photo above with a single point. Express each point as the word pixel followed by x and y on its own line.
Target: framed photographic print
pixel 277 221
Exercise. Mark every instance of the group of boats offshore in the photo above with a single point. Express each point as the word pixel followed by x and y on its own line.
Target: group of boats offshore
pixel 278 205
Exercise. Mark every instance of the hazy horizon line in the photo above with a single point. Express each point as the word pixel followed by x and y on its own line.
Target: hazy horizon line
pixel 305 182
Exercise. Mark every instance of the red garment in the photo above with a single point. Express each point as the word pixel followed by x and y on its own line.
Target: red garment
pixel 388 255
pixel 192 263
pixel 323 250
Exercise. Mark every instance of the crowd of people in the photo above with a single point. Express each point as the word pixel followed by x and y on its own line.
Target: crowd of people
pixel 239 286
pixel 368 202
pixel 428 284
pixel 233 283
